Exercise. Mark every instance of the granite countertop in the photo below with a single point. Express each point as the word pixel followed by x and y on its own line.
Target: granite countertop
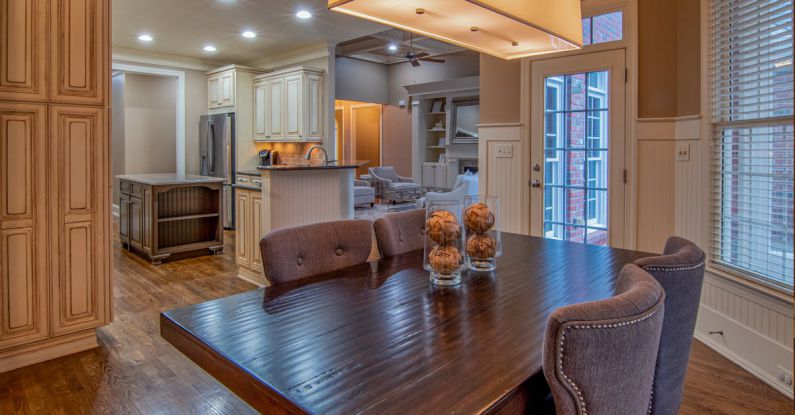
pixel 339 164
pixel 249 172
pixel 162 179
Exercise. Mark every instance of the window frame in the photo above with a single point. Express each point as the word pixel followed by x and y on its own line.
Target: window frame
pixel 711 127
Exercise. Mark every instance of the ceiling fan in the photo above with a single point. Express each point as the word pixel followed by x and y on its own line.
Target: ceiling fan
pixel 414 57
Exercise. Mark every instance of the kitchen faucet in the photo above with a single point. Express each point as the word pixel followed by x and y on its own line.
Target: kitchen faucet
pixel 308 156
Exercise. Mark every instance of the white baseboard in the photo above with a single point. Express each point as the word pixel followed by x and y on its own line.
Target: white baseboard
pixel 754 352
pixel 115 210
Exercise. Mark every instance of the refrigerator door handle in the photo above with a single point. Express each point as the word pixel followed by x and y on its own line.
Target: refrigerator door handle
pixel 211 148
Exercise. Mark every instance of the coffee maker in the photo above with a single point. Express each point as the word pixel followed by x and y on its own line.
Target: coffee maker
pixel 265 158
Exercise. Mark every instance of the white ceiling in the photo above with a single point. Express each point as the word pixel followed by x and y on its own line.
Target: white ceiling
pixel 184 27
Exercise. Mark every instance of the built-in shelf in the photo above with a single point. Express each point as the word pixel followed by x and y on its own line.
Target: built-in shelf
pixel 188 217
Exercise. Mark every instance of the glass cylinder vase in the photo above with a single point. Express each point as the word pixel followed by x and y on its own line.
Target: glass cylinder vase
pixel 444 255
pixel 482 236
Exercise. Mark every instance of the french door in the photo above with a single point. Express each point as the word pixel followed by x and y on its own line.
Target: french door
pixel 577 148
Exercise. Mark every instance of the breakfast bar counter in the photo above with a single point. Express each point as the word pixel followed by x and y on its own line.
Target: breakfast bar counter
pixel 291 195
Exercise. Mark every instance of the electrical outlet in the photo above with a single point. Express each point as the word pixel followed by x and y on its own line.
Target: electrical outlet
pixel 784 375
pixel 505 150
pixel 683 152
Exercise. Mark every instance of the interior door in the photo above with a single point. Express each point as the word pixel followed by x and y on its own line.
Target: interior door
pixel 577 148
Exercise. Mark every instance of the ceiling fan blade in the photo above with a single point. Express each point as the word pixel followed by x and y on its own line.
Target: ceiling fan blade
pixel 434 60
pixel 421 54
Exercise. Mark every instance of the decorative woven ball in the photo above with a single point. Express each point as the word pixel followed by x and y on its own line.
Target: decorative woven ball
pixel 478 218
pixel 481 246
pixel 444 259
pixel 442 227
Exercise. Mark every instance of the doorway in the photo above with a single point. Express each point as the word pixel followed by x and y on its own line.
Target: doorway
pixel 359 130
pixel 577 148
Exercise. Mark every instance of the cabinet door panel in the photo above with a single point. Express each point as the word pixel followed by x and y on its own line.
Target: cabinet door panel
pixel 314 107
pixel 227 90
pixel 242 228
pixel 275 108
pixel 260 111
pixel 124 218
pixel 255 230
pixel 292 107
pixel 78 191
pixel 136 223
pixel 23 225
pixel 79 51
pixel 213 91
pixel 23 54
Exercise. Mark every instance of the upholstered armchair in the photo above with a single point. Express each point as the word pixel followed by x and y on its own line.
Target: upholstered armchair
pixel 599 356
pixel 459 192
pixel 391 187
pixel 363 194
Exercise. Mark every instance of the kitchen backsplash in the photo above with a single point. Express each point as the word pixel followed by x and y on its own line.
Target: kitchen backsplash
pixel 291 153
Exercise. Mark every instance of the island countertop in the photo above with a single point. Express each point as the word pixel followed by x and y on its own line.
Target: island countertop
pixel 164 179
pixel 335 165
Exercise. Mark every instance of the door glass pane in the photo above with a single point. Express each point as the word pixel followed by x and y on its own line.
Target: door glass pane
pixel 576 157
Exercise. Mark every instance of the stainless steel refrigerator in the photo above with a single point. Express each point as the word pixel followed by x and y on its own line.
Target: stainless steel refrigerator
pixel 217 157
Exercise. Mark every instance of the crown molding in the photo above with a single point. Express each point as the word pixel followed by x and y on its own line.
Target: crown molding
pixel 317 51
pixel 162 59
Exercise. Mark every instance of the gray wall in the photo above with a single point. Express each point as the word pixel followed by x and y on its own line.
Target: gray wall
pixel 457 65
pixel 150 132
pixel 359 80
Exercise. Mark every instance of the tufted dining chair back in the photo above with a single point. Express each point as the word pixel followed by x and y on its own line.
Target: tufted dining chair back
pixel 680 271
pixel 400 232
pixel 291 254
pixel 599 357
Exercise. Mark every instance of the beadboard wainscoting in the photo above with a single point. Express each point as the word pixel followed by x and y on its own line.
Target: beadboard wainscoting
pixel 672 200
pixel 502 172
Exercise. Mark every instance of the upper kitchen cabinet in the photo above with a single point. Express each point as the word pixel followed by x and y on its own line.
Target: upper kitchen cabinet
pixel 289 104
pixel 79 50
pixel 23 51
pixel 224 85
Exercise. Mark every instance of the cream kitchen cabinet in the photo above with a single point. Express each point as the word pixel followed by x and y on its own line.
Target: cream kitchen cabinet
pixel 221 89
pixel 288 105
pixel 248 227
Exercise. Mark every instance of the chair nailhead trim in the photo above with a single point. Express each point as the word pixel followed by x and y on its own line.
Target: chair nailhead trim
pixel 572 385
pixel 673 268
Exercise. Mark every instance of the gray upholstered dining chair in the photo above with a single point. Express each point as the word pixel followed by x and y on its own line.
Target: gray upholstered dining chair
pixel 680 271
pixel 599 356
pixel 400 232
pixel 294 253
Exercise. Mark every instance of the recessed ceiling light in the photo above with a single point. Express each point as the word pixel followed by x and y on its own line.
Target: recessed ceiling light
pixel 249 34
pixel 393 47
pixel 303 14
pixel 145 37
pixel 210 48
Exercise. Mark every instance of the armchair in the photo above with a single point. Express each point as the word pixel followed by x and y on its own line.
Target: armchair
pixel 391 187
pixel 363 194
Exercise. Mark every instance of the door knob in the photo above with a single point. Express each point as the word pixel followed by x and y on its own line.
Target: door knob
pixel 535 183
pixel 536 167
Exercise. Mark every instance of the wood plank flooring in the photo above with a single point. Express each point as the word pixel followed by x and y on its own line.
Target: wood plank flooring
pixel 136 372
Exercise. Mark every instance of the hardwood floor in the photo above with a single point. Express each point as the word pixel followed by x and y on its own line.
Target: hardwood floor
pixel 136 372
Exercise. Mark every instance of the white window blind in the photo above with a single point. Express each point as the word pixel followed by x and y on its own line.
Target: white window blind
pixel 752 108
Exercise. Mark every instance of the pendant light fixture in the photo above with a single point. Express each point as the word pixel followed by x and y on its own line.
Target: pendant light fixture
pixel 508 29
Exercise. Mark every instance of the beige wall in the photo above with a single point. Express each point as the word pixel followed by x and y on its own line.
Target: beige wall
pixel 150 113
pixel 457 65
pixel 499 90
pixel 117 130
pixel 688 58
pixel 396 146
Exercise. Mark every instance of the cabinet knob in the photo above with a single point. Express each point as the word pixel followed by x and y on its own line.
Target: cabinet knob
pixel 535 183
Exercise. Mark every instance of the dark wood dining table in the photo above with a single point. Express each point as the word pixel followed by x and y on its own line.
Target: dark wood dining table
pixel 379 338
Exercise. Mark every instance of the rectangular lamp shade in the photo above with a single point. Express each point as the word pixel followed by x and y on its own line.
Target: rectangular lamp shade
pixel 507 29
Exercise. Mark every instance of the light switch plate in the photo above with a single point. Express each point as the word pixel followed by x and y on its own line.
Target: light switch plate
pixel 683 152
pixel 504 150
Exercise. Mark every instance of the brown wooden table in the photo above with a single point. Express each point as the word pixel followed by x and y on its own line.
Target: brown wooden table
pixel 378 338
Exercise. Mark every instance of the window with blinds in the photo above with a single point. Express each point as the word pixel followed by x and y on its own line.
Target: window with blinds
pixel 752 109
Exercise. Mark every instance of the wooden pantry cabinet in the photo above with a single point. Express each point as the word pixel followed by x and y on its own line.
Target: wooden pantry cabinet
pixel 54 178
pixel 289 105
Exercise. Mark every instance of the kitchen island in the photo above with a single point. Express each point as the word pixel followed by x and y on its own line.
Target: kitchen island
pixel 290 195
pixel 169 215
